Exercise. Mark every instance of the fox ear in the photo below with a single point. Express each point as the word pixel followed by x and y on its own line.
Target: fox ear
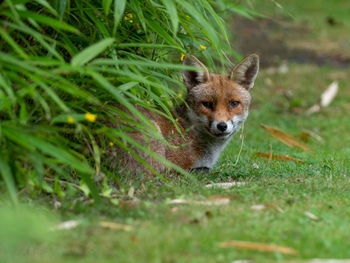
pixel 246 71
pixel 193 78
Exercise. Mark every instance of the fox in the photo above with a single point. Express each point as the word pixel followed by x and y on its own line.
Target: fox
pixel 213 111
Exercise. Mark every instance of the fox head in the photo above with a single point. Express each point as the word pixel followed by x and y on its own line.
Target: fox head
pixel 218 104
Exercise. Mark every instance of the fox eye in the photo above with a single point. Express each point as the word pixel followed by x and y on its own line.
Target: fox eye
pixel 234 103
pixel 208 104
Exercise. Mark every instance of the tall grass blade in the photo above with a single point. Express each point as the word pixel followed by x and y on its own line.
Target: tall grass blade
pixel 106 4
pixel 90 52
pixel 7 176
pixel 119 7
pixel 172 12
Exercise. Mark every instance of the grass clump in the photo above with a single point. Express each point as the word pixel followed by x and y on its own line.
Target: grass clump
pixel 63 62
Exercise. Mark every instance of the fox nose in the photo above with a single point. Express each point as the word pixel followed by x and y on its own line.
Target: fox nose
pixel 222 126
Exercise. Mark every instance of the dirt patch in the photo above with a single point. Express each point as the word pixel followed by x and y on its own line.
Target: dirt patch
pixel 269 39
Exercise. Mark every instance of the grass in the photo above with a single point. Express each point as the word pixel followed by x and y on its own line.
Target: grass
pixel 326 23
pixel 190 233
pixel 162 232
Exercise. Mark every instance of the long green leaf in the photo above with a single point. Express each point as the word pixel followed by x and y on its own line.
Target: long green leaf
pixel 207 28
pixel 119 7
pixel 48 6
pixel 172 12
pixel 90 52
pixel 106 4
pixel 136 5
pixel 165 35
pixel 146 45
pixel 218 20
pixel 60 6
pixel 13 43
pixel 148 63
pixel 31 142
pixel 9 179
pixel 7 88
pixel 42 39
pixel 54 23
pixel 118 96
pixel 137 145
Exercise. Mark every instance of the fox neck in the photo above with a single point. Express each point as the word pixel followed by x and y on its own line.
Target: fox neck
pixel 211 149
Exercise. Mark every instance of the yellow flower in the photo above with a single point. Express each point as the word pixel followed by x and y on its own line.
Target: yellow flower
pixel 182 56
pixel 177 119
pixel 90 117
pixel 128 17
pixel 203 47
pixel 111 143
pixel 148 102
pixel 70 119
pixel 179 95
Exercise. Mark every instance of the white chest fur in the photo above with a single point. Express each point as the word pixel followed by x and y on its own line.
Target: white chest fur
pixel 211 154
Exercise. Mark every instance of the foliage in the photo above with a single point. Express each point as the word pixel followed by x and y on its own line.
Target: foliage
pixel 63 62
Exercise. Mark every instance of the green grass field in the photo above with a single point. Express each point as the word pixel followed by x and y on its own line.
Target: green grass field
pixel 158 231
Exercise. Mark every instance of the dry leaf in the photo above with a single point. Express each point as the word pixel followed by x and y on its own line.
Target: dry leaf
pixel 257 207
pixel 311 215
pixel 258 246
pixel 135 240
pixel 57 204
pixel 184 219
pixel 285 138
pixel 283 68
pixel 143 187
pixel 129 204
pixel 304 136
pixel 326 98
pixel 314 135
pixel 224 185
pixel 174 210
pixel 224 196
pixel 208 214
pixel 329 94
pixel 115 226
pixel 212 201
pixel 278 157
pixel 313 109
pixel 201 218
pixel 264 206
pixel 255 166
pixel 268 82
pixel 70 224
pixel 131 192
